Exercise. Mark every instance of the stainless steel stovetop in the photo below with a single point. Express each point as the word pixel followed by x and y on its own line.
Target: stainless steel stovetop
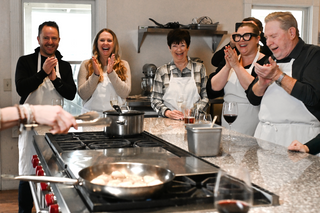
pixel 66 155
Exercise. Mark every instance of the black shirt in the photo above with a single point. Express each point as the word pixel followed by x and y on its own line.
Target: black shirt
pixel 306 70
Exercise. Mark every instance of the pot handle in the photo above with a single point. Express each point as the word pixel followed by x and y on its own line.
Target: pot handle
pixel 50 179
pixel 122 122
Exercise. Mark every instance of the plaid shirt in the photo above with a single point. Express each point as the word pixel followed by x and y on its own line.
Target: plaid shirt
pixel 162 79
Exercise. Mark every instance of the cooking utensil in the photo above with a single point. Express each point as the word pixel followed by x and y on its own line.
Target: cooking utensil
pixel 213 122
pixel 128 193
pixel 129 122
pixel 95 122
pixel 88 116
pixel 117 108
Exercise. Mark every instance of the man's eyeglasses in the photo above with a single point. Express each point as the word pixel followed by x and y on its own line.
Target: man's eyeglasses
pixel 246 36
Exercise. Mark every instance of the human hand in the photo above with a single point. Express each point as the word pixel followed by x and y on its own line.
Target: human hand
pixel 231 57
pixel 174 114
pixel 54 116
pixel 110 64
pixel 268 71
pixel 96 68
pixel 49 64
pixel 53 75
pixel 297 146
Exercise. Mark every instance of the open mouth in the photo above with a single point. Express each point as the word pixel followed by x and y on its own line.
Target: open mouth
pixel 105 48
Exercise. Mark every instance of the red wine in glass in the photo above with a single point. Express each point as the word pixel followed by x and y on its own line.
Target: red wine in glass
pixel 232 206
pixel 230 118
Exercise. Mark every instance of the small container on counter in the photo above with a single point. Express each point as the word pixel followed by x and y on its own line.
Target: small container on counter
pixel 203 141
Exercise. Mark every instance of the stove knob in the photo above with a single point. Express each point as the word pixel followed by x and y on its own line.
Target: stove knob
pixel 40 172
pixel 35 162
pixel 54 208
pixel 50 199
pixel 39 167
pixel 44 186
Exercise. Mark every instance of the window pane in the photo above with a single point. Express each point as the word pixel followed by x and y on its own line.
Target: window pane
pixel 74 21
pixel 262 13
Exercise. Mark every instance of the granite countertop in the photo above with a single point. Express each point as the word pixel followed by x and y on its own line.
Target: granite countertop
pixel 294 176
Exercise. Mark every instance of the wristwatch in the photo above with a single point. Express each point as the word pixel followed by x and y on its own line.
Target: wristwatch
pixel 278 81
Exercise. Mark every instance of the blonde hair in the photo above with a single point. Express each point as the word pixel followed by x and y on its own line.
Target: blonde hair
pixel 286 19
pixel 118 66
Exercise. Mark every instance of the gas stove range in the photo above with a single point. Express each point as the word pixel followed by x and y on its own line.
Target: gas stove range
pixel 192 188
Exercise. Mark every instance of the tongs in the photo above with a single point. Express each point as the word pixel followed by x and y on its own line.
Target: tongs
pixel 95 122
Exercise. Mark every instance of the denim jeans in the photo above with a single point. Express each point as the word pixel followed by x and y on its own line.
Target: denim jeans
pixel 25 197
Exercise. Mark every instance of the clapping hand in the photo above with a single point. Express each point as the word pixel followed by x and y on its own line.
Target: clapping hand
pixel 110 64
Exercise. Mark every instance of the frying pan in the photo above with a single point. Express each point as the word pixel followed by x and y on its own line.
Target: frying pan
pixel 127 193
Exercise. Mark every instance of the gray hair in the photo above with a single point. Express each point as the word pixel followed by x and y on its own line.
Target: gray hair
pixel 286 19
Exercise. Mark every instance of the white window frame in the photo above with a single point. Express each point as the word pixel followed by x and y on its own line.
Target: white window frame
pixel 99 21
pixel 311 20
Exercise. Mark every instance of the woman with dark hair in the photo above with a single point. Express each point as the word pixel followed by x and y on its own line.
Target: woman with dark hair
pixel 105 75
pixel 233 79
pixel 180 77
pixel 218 57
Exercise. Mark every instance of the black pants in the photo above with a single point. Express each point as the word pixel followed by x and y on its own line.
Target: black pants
pixel 25 197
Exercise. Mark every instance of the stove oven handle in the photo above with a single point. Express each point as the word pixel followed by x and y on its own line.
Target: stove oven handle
pixel 35 199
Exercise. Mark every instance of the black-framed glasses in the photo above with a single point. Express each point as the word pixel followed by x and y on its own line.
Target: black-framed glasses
pixel 246 36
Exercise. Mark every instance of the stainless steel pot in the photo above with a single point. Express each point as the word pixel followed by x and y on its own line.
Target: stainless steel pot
pixel 127 123
pixel 128 193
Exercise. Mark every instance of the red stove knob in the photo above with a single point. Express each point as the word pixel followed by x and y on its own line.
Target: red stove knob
pixel 44 186
pixel 50 199
pixel 39 167
pixel 54 208
pixel 40 172
pixel 35 162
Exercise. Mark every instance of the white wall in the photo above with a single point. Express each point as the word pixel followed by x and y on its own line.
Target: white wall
pixel 124 17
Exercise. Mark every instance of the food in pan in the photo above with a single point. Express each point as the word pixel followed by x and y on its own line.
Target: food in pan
pixel 117 178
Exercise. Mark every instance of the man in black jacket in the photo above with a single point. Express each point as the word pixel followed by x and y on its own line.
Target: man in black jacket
pixel 40 78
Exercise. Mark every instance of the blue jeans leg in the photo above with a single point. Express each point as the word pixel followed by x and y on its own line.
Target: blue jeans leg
pixel 25 197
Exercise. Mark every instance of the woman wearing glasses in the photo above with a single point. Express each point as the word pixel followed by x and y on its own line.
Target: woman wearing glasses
pixel 233 79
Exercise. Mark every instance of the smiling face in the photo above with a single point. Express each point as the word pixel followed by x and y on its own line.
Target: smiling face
pixel 48 41
pixel 105 44
pixel 179 52
pixel 247 47
pixel 280 42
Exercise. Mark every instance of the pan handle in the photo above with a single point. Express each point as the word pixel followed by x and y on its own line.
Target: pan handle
pixel 50 179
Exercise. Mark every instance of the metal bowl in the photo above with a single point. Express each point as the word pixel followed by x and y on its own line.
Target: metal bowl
pixel 127 193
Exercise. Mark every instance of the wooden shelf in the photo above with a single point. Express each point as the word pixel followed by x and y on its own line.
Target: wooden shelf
pixel 216 35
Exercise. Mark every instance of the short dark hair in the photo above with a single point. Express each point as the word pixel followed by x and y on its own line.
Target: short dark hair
pixel 49 24
pixel 255 20
pixel 177 36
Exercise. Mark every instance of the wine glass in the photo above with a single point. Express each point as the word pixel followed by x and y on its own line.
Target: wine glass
pixel 114 100
pixel 230 113
pixel 180 102
pixel 205 118
pixel 233 191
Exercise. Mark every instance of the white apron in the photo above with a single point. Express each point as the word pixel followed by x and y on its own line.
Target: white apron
pixel 41 96
pixel 178 86
pixel 283 118
pixel 247 119
pixel 100 99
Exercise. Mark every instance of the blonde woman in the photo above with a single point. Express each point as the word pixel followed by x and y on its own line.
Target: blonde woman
pixel 105 75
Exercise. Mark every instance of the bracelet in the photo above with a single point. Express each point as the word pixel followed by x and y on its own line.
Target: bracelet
pixel 0 118
pixel 19 113
pixel 23 115
pixel 30 113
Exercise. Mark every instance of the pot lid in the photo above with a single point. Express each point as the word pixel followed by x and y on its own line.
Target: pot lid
pixel 124 112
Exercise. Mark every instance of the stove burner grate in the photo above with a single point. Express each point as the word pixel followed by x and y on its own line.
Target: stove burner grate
pixel 67 137
pixel 111 143
pixel 91 136
pixel 71 145
pixel 147 143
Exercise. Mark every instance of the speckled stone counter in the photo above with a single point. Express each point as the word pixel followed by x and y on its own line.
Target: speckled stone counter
pixel 295 177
